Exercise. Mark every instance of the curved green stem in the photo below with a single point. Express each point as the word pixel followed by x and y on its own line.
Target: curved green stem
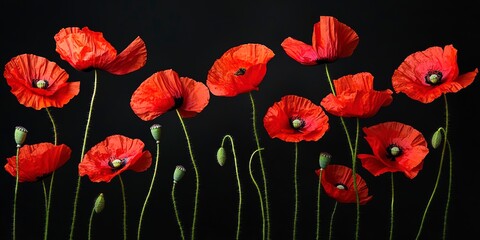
pixel 90 224
pixel 295 214
pixel 15 196
pixel 124 208
pixel 392 205
pixel 264 177
pixel 258 191
pixel 450 176
pixel 49 199
pixel 445 138
pixel 318 203
pixel 149 191
pixel 239 210
pixel 197 182
pixel 330 232
pixel 77 189
pixel 176 212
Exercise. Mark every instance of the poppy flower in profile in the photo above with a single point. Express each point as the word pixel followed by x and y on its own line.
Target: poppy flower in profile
pixel 337 181
pixel 426 75
pixel 355 97
pixel 165 91
pixel 239 70
pixel 85 49
pixel 113 156
pixel 396 147
pixel 39 83
pixel 295 119
pixel 37 161
pixel 331 40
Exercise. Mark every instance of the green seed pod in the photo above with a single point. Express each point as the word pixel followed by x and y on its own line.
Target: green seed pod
pixel 155 129
pixel 20 135
pixel 437 138
pixel 99 203
pixel 178 174
pixel 324 159
pixel 221 156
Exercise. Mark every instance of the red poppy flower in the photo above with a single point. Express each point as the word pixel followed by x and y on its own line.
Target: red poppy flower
pixel 165 91
pixel 355 97
pixel 113 156
pixel 295 119
pixel 239 70
pixel 424 76
pixel 39 83
pixel 396 147
pixel 331 40
pixel 337 181
pixel 38 161
pixel 85 49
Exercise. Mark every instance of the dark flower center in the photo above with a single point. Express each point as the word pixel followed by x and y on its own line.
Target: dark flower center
pixel 116 163
pixel 240 71
pixel 434 77
pixel 297 123
pixel 393 151
pixel 40 83
pixel 178 103
pixel 341 186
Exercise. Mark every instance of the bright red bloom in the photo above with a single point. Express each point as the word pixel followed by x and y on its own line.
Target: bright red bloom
pixel 337 181
pixel 239 70
pixel 396 147
pixel 38 161
pixel 424 76
pixel 295 119
pixel 165 91
pixel 39 83
pixel 85 49
pixel 331 40
pixel 113 156
pixel 355 97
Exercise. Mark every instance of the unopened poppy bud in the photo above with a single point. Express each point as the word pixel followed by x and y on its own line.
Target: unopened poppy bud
pixel 99 203
pixel 221 156
pixel 437 138
pixel 178 174
pixel 324 159
pixel 155 129
pixel 20 135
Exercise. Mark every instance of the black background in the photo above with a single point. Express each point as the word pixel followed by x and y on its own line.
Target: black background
pixel 188 36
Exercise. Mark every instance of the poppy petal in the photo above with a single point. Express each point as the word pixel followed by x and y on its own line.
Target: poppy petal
pixel 129 60
pixel 300 51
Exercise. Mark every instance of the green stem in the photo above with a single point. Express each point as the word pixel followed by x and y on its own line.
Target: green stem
pixel 318 203
pixel 239 211
pixel 330 232
pixel 176 212
pixel 90 224
pixel 77 189
pixel 197 182
pixel 149 191
pixel 391 205
pixel 15 196
pixel 445 137
pixel 258 191
pixel 264 177
pixel 450 176
pixel 49 199
pixel 295 214
pixel 124 208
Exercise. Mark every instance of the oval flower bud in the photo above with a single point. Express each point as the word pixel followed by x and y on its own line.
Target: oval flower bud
pixel 324 159
pixel 178 174
pixel 20 135
pixel 221 156
pixel 437 138
pixel 99 203
pixel 155 129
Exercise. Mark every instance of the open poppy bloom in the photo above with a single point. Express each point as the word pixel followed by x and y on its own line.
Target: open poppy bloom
pixel 295 119
pixel 424 76
pixel 39 83
pixel 37 161
pixel 239 70
pixel 165 91
pixel 113 156
pixel 331 40
pixel 337 181
pixel 355 97
pixel 85 49
pixel 396 147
